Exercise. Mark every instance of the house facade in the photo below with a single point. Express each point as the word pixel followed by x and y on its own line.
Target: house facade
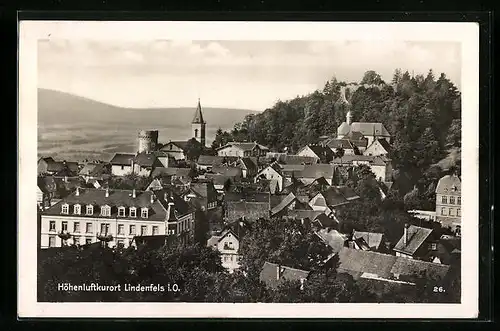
pixel 243 149
pixel 377 148
pixel 88 215
pixel 448 202
pixel 228 244
pixel 271 173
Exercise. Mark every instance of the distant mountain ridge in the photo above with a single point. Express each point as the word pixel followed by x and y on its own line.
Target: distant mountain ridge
pixel 60 107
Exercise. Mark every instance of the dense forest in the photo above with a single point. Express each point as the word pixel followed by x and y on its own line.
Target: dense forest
pixel 422 113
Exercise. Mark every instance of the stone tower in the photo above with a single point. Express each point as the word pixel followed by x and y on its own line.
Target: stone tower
pixel 147 141
pixel 198 125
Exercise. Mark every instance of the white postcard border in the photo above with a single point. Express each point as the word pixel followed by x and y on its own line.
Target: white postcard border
pixel 29 33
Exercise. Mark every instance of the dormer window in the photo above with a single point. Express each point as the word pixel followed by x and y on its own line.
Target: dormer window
pixel 121 211
pixel 65 208
pixel 133 212
pixel 90 210
pixel 144 212
pixel 77 209
pixel 106 211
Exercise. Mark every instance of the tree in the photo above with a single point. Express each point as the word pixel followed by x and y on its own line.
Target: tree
pixel 193 150
pixel 371 78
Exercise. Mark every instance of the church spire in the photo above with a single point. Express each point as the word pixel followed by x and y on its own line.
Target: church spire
pixel 198 116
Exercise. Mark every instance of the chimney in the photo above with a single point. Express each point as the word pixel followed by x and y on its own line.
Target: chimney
pixel 165 196
pixel 107 192
pixel 405 235
pixel 278 272
pixel 133 193
pixel 152 197
pixel 77 191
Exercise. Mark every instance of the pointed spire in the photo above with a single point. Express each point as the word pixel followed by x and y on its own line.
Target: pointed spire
pixel 198 116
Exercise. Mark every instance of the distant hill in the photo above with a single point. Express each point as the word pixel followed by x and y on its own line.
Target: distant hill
pixel 55 107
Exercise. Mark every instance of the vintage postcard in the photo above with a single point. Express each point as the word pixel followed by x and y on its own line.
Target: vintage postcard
pixel 248 169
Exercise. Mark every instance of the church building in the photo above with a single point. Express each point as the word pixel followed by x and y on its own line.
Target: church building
pixel 370 131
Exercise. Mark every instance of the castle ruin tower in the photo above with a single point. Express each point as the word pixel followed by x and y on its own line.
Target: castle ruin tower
pixel 147 141
pixel 198 125
pixel 348 117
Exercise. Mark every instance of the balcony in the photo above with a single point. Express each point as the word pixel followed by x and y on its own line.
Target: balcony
pixel 104 237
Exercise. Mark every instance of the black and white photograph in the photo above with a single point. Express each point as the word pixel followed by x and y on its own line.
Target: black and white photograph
pixel 208 163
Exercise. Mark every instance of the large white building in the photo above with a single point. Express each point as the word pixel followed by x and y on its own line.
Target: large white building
pixel 89 215
pixel 449 202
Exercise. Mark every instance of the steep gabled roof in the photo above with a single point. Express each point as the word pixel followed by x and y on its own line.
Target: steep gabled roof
pixel 411 267
pixel 122 159
pixel 269 274
pixel 198 115
pixel 290 198
pixel 371 238
pixel 449 184
pixel 358 262
pixel 316 171
pixel 332 238
pixel 416 237
pixel 370 129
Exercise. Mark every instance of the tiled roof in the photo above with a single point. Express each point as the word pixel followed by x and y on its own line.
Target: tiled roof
pixel 198 115
pixel 385 145
pixel 322 152
pixel 355 261
pixel 296 159
pixel 350 159
pixel 340 143
pixel 247 210
pixel 147 160
pixel 227 171
pixel 247 196
pixel 355 136
pixel 332 238
pixel 411 267
pixel 371 238
pixel 347 192
pixel 179 172
pixel 370 129
pixel 283 204
pixel 305 214
pixel 245 146
pixel 123 198
pixel 213 160
pixel 291 167
pixel 182 144
pixel 219 179
pixel 92 169
pixel 447 185
pixel 213 241
pixel 317 171
pixel 416 237
pixel 326 222
pixel 333 197
pixel 122 159
pixel 269 274
pixel 343 129
pixel 205 190
pixel 249 163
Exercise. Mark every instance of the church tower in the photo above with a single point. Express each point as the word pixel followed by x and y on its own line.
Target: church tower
pixel 198 125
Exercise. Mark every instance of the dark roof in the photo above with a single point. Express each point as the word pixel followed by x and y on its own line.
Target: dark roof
pixel 123 198
pixel 179 172
pixel 319 181
pixel 47 184
pixel 321 151
pixel 305 214
pixel 182 144
pixel 372 239
pixel 316 171
pixel 357 262
pixel 244 146
pixel 58 166
pixel 347 192
pixel 249 163
pixel 122 159
pixel 340 143
pixel 290 198
pixel 247 196
pixel 332 238
pixel 355 136
pixel 198 116
pixel 410 267
pixel 227 171
pixel 296 159
pixel 92 169
pixel 153 242
pixel 215 160
pixel 147 160
pixel 204 190
pixel 416 237
pixel 248 210
pixel 219 179
pixel 385 145
pixel 370 129
pixel 333 197
pixel 269 274
pixel 326 222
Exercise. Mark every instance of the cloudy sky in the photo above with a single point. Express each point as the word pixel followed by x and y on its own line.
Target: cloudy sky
pixel 233 74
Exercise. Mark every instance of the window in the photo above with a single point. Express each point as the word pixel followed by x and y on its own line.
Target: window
pixel 459 200
pixel 88 228
pixel 120 243
pixel 143 230
pixel 121 211
pixel 131 229
pixel 155 229
pixel 444 199
pixel 64 226
pixel 450 212
pixel 120 229
pixel 88 241
pixel 458 230
pixel 76 227
pixel 433 246
pixel 196 133
pixel 144 213
pixel 123 167
pixel 106 211
pixel 443 211
pixel 65 209
pixel 133 212
pixel 90 209
pixel 452 200
pixel 104 228
pixel 77 209
pixel 52 241
pixel 52 226
pixel 76 240
pixel 458 212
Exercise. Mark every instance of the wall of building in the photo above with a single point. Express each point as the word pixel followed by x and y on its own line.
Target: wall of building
pixel 121 170
pixel 230 151
pixel 147 140
pixel 375 149
pixel 271 174
pixel 229 247
pixel 200 133
pixel 306 151
pixel 96 222
pixel 449 214
pixel 382 172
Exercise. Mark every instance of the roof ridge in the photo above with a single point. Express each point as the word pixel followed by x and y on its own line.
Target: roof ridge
pixel 287 267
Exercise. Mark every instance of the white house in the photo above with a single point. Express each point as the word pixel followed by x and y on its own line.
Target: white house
pixel 242 149
pixel 378 147
pixel 228 244
pixel 271 173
